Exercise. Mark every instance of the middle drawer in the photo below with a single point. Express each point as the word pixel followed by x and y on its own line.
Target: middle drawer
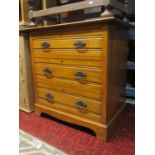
pixel 75 73
pixel 89 90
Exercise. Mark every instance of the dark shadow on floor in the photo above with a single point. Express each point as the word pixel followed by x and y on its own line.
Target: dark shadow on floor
pixel 81 128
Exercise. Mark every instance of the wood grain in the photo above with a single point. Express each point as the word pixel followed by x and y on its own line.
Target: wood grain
pixel 68 42
pixel 103 90
pixel 98 128
pixel 93 74
pixel 26 95
pixel 69 109
pixel 69 54
pixel 82 89
pixel 117 64
pixel 75 62
pixel 96 23
pixel 24 9
pixel 66 99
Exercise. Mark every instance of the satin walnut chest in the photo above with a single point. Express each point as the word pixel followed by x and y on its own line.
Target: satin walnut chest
pixel 79 72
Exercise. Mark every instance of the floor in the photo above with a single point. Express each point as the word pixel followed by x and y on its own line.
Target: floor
pixel 30 145
pixel 76 140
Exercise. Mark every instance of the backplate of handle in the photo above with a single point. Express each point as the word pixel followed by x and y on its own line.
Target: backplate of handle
pixel 79 44
pixel 45 45
pixel 80 75
pixel 47 72
pixel 81 105
pixel 49 97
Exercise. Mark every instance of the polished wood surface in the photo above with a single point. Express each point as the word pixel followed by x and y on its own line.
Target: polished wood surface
pixel 62 43
pixel 85 88
pixel 98 128
pixel 84 23
pixel 70 100
pixel 117 63
pixel 81 59
pixel 90 90
pixel 71 54
pixel 69 72
pixel 69 109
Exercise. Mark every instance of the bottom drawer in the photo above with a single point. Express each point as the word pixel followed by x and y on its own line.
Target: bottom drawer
pixel 80 103
pixel 70 110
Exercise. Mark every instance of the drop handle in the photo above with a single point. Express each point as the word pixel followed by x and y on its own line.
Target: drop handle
pixel 45 45
pixel 80 75
pixel 47 72
pixel 49 97
pixel 79 44
pixel 81 105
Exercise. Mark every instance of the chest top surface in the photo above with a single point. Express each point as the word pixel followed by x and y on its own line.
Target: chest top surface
pixel 85 23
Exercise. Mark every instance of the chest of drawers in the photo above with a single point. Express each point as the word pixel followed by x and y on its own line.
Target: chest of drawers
pixel 79 72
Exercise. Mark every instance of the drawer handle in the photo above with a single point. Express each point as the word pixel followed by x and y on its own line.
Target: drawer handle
pixel 79 44
pixel 49 98
pixel 81 106
pixel 45 45
pixel 47 72
pixel 80 75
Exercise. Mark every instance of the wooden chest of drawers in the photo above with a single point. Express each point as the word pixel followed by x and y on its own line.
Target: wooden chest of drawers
pixel 79 72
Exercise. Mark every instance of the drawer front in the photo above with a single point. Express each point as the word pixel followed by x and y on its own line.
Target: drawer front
pixel 69 110
pixel 81 104
pixel 63 42
pixel 90 90
pixel 73 54
pixel 75 73
pixel 96 63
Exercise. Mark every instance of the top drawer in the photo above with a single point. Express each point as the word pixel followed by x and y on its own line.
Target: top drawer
pixel 69 42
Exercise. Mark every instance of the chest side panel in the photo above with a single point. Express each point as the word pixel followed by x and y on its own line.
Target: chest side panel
pixel 117 64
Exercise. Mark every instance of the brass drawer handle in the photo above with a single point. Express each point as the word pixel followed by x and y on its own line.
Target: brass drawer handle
pixel 49 98
pixel 79 44
pixel 47 72
pixel 45 45
pixel 80 75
